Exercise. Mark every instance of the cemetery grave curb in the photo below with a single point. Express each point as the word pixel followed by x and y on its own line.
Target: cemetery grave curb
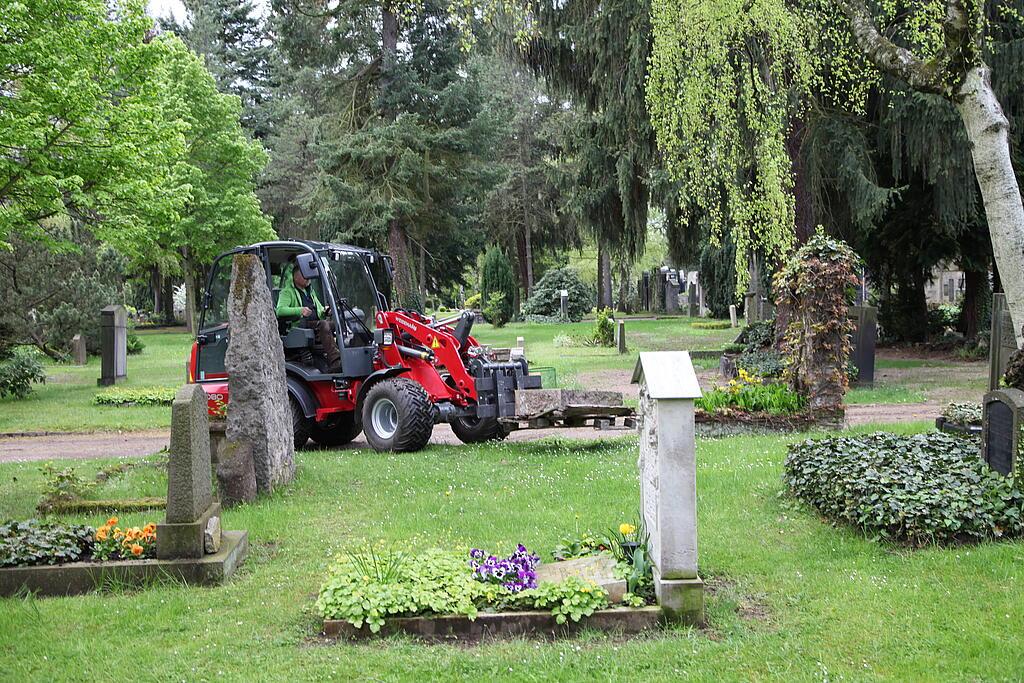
pixel 620 620
pixel 75 578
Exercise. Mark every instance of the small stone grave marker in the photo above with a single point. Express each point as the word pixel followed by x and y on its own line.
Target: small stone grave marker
pixel 113 345
pixel 620 336
pixel 564 302
pixel 668 479
pixel 732 315
pixel 693 303
pixel 78 351
pixel 1002 418
pixel 599 569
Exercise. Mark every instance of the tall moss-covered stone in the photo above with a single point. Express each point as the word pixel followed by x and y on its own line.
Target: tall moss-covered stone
pixel 259 409
pixel 189 491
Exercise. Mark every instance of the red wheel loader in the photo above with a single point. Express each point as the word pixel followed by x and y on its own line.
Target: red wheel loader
pixel 400 371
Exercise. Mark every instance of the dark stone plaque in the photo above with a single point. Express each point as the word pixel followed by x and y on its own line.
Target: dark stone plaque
pixel 1000 435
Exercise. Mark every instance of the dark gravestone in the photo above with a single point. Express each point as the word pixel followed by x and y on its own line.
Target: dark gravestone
pixel 693 304
pixel 1000 429
pixel 1002 343
pixel 658 290
pixel 645 291
pixel 113 345
pixel 865 334
pixel 672 292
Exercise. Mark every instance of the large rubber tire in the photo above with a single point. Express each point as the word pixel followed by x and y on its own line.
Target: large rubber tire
pixel 397 416
pixel 338 430
pixel 301 425
pixel 478 429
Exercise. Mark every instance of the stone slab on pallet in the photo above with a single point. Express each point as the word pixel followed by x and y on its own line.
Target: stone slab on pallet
pixel 75 578
pixel 535 403
pixel 621 620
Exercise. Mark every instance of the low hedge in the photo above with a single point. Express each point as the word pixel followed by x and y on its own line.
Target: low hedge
pixel 711 325
pixel 141 396
pixel 920 489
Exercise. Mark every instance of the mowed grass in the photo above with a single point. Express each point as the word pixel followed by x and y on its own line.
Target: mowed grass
pixel 790 597
pixel 64 403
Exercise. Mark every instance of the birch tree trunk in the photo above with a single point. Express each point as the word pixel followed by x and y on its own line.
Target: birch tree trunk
pixel 988 131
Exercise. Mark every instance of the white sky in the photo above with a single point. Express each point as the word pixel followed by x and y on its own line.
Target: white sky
pixel 163 8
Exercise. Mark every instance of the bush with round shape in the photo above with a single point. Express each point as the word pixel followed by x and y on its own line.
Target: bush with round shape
pixel 547 295
pixel 921 489
pixel 19 371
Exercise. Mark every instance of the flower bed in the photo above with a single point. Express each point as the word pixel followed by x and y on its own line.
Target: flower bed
pixel 32 542
pixel 960 418
pixel 376 590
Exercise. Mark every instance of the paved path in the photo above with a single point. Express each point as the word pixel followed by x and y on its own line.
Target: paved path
pixel 136 444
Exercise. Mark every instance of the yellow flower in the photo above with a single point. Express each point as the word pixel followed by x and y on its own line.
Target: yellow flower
pixel 136 550
pixel 626 529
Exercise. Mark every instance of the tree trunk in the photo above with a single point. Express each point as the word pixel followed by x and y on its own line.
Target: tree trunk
pixel 988 131
pixel 155 284
pixel 974 287
pixel 529 264
pixel 604 277
pixel 804 216
pixel 190 294
pixel 400 257
pixel 168 285
pixel 624 303
pixel 423 276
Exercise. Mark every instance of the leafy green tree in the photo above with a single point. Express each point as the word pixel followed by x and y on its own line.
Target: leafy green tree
pixel 498 284
pixel 78 134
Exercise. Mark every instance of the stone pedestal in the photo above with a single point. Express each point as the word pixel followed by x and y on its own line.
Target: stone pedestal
pixel 564 304
pixel 668 479
pixel 620 336
pixel 113 345
pixel 693 305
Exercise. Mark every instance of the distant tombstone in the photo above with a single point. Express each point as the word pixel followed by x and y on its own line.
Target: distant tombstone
pixel 645 291
pixel 672 292
pixel 113 345
pixel 259 409
pixel 620 336
pixel 657 291
pixel 190 503
pixel 1002 342
pixel 564 304
pixel 78 351
pixel 668 480
pixel 865 334
pixel 691 300
pixel 733 320
pixel 521 342
pixel 1002 417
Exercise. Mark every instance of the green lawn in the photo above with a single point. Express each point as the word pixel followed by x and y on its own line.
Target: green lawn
pixel 64 403
pixel 791 598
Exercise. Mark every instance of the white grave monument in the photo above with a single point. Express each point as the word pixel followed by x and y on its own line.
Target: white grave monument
pixel 668 480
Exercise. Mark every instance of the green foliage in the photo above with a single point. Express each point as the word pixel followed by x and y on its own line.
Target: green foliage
pixel 32 542
pixel 604 327
pixel 941 318
pixel 473 301
pixel 134 344
pixel 1014 375
pixel 711 325
pixel 767 363
pixel 571 599
pixel 547 295
pixel 963 413
pixel 434 581
pixel 750 394
pixel 718 276
pixel 62 485
pixel 580 545
pixel 19 371
pixel 759 336
pixel 922 489
pixel 135 396
pixel 497 287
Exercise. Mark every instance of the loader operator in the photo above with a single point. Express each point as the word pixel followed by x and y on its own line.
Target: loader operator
pixel 299 305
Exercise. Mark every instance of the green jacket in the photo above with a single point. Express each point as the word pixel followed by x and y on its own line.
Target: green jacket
pixel 289 300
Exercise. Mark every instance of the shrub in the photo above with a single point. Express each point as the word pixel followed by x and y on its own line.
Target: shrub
pixel 546 297
pixel 926 488
pixel 141 396
pixel 497 287
pixel 604 328
pixel 718 275
pixel 497 311
pixel 19 371
pixel 766 363
pixel 1014 375
pixel 711 325
pixel 963 413
pixel 34 542
pixel 759 335
pixel 749 393
pixel 941 318
pixel 134 344
pixel 473 301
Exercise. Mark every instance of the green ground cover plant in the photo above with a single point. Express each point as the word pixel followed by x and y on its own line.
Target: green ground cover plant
pixel 789 598
pixel 33 542
pixel 752 394
pixel 921 489
pixel 135 396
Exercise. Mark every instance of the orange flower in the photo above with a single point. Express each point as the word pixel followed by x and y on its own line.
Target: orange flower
pixel 112 521
pixel 136 550
pixel 101 533
pixel 149 528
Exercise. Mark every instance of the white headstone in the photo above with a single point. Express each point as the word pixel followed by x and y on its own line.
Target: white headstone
pixel 732 315
pixel 668 479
